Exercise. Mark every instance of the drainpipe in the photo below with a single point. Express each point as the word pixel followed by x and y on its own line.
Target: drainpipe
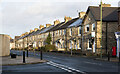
pixel 106 37
pixel 101 27
pixel 66 38
pixel 53 37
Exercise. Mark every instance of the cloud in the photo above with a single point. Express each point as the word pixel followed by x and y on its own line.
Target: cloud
pixel 20 16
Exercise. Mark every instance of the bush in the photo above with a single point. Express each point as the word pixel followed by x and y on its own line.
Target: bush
pixel 25 48
pixel 42 48
pixel 47 48
pixel 50 47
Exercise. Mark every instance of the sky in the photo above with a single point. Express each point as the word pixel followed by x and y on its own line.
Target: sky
pixel 20 16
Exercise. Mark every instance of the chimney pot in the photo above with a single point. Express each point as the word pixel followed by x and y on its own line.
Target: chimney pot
pixel 35 29
pixel 105 5
pixel 81 14
pixel 48 25
pixel 41 26
pixel 67 18
pixel 56 22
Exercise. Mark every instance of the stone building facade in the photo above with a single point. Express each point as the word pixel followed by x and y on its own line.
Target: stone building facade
pixel 4 45
pixel 91 41
pixel 83 32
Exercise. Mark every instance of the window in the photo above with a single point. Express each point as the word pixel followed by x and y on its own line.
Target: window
pixel 79 31
pixel 89 44
pixel 64 32
pixel 63 45
pixel 60 32
pixel 56 44
pixel 56 33
pixel 71 32
pixel 93 27
pixel 87 28
pixel 79 44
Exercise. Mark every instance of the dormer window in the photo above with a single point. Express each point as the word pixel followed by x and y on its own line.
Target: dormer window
pixel 87 28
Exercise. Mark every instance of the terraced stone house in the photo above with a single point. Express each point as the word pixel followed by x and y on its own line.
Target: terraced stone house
pixel 91 41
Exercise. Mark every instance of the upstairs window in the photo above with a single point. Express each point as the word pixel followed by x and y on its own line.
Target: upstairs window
pixel 60 32
pixel 56 33
pixel 79 31
pixel 93 27
pixel 70 31
pixel 87 28
pixel 64 32
pixel 79 44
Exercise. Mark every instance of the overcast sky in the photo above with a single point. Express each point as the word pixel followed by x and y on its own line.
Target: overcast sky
pixel 19 16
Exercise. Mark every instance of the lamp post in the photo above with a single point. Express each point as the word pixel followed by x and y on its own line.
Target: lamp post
pixel 101 26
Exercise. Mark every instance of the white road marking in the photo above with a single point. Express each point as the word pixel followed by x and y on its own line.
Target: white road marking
pixel 66 68
pixel 93 63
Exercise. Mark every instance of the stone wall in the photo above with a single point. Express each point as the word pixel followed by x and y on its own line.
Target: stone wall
pixel 4 45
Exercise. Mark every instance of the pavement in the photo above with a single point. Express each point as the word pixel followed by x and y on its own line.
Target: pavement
pixel 7 60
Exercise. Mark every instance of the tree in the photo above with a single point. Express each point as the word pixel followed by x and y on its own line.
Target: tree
pixel 48 40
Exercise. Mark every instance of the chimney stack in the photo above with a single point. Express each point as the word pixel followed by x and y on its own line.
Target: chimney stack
pixel 81 14
pixel 105 5
pixel 48 25
pixel 31 31
pixel 56 22
pixel 41 26
pixel 67 18
pixel 26 33
pixel 35 29
pixel 22 34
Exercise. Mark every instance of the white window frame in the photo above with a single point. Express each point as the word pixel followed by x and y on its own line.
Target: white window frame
pixel 70 31
pixel 93 26
pixel 60 32
pixel 63 45
pixel 64 31
pixel 71 44
pixel 79 28
pixel 79 44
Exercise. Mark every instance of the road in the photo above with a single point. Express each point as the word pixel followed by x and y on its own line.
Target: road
pixel 63 63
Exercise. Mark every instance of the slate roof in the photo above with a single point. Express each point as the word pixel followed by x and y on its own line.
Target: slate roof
pixel 23 37
pixel 46 29
pixel 64 26
pixel 17 37
pixel 55 27
pixel 37 32
pixel 76 23
pixel 110 14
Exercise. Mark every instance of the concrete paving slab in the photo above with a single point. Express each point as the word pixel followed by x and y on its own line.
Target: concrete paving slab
pixel 7 60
